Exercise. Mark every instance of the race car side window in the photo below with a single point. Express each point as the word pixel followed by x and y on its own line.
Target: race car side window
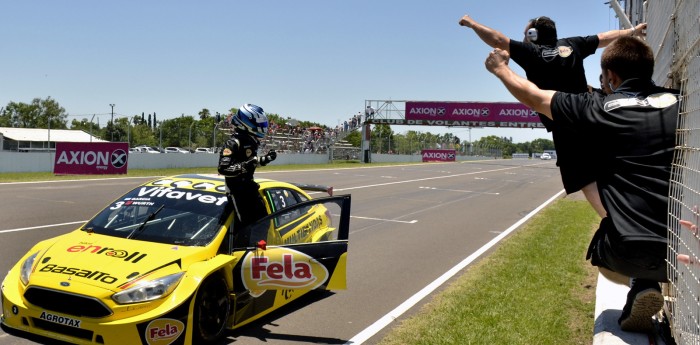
pixel 281 198
pixel 324 219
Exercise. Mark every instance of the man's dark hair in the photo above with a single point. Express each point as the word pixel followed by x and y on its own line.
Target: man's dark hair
pixel 628 57
pixel 546 30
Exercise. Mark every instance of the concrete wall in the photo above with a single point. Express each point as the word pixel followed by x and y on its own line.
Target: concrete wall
pixel 43 161
pixel 386 158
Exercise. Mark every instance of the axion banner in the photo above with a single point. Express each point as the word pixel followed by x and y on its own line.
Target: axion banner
pixel 91 158
pixel 439 155
pixel 482 114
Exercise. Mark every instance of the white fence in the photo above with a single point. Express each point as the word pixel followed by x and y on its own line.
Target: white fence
pixel 43 161
pixel 674 34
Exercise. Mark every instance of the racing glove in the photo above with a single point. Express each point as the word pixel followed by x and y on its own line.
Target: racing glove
pixel 269 157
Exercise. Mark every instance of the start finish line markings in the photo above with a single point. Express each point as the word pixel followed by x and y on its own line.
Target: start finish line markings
pixel 459 191
pixel 388 220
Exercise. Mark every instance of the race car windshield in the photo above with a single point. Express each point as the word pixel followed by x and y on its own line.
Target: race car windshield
pixel 177 216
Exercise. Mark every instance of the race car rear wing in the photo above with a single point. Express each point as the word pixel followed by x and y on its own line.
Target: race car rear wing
pixel 314 188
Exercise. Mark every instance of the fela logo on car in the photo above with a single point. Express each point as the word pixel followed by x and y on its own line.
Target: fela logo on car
pixel 163 331
pixel 294 270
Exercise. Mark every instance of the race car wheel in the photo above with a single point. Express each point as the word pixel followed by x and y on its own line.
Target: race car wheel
pixel 211 310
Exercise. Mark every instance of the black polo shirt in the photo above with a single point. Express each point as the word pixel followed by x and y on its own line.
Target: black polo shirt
pixel 633 133
pixel 556 67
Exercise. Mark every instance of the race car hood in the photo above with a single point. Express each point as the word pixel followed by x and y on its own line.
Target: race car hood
pixel 109 262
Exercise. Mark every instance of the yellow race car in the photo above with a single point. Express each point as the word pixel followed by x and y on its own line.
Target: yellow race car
pixel 165 264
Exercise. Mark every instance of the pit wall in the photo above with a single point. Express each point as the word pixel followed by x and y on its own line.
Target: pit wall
pixel 43 161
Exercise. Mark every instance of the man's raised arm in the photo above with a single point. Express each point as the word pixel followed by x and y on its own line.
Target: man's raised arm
pixel 522 89
pixel 493 38
pixel 605 38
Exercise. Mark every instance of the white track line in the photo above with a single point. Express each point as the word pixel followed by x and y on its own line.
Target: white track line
pixel 41 226
pixel 413 300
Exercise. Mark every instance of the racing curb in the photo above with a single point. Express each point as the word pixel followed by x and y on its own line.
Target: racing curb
pixel 609 301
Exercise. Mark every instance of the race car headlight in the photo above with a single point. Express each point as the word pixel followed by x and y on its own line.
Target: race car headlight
pixel 150 290
pixel 26 270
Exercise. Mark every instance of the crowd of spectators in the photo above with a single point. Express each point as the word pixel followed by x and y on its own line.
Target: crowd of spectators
pixel 290 137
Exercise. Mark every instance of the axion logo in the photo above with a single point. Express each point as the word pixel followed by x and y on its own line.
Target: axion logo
pixel 118 158
pixel 163 331
pixel 471 112
pixel 435 155
pixel 440 111
pixel 84 158
pixel 517 112
pixel 282 268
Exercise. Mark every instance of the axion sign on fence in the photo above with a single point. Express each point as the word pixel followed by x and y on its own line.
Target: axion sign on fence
pixel 471 114
pixel 91 158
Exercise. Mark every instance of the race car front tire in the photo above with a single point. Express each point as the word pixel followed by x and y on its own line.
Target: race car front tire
pixel 211 310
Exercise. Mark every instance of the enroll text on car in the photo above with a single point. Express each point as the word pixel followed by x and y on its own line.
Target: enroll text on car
pixel 166 264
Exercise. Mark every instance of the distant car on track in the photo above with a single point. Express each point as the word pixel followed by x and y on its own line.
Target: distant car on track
pixel 175 150
pixel 204 150
pixel 166 264
pixel 546 156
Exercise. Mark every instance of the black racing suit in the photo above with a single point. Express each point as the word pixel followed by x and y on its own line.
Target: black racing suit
pixel 237 162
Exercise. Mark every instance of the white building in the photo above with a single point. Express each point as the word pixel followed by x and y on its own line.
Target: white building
pixel 40 139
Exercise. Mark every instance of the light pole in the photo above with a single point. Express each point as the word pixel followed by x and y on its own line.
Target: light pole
pixel 189 140
pixel 49 133
pixel 111 129
pixel 92 118
pixel 470 141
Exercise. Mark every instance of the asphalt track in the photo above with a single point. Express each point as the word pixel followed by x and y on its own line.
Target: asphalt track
pixel 410 225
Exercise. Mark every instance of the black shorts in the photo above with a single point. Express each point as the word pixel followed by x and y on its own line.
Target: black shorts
pixel 636 259
pixel 576 160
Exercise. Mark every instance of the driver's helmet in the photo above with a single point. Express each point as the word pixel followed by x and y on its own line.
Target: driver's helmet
pixel 250 118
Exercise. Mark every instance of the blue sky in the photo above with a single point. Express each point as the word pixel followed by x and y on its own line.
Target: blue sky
pixel 311 60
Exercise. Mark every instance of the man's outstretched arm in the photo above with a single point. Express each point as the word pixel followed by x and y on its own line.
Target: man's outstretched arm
pixel 493 38
pixel 607 37
pixel 522 89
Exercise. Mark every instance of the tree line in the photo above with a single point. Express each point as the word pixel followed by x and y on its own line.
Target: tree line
pixel 384 140
pixel 189 132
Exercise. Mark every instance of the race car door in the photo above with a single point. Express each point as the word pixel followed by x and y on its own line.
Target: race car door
pixel 292 251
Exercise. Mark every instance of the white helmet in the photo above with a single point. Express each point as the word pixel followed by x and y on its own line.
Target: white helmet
pixel 252 119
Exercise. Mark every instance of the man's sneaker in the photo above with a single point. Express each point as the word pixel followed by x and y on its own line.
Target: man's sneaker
pixel 643 301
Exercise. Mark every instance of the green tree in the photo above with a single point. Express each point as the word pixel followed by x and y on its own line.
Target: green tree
pixel 354 138
pixel 204 114
pixel 381 136
pixel 142 134
pixel 175 132
pixel 539 145
pixel 86 126
pixel 36 114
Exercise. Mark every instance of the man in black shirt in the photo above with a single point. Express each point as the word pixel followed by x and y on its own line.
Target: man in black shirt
pixel 635 125
pixel 557 64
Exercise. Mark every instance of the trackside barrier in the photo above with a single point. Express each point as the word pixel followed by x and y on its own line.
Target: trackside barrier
pixel 43 161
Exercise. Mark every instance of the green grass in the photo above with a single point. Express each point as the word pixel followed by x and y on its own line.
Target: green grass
pixel 536 288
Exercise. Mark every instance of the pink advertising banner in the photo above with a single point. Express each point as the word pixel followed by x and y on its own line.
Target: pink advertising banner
pixel 91 158
pixel 482 114
pixel 439 155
